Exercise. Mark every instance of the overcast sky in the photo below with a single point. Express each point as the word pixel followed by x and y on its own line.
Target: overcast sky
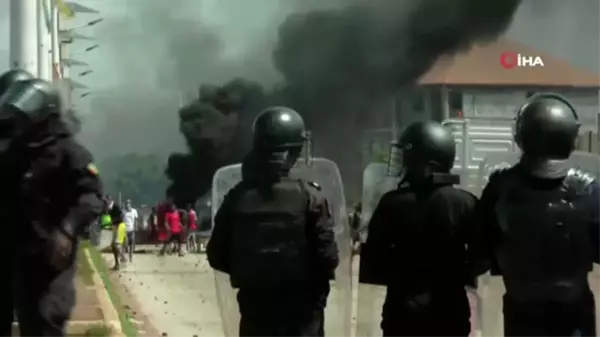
pixel 565 29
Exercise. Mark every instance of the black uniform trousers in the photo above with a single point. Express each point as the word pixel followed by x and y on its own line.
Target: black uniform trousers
pixel 437 313
pixel 577 318
pixel 45 296
pixel 7 250
pixel 278 313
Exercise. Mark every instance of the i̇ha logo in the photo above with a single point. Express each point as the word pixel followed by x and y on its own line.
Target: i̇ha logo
pixel 510 60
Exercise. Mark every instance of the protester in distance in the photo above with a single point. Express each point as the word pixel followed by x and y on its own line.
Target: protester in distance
pixel 130 217
pixel 175 229
pixel 192 240
pixel 184 220
pixel 355 219
pixel 118 241
pixel 152 225
pixel 161 211
pixel 114 210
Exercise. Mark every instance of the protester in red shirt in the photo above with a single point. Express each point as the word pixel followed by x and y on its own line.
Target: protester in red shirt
pixel 192 241
pixel 161 211
pixel 173 224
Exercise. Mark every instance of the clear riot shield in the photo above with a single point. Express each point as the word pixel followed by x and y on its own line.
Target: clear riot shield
pixel 491 288
pixel 376 183
pixel 338 317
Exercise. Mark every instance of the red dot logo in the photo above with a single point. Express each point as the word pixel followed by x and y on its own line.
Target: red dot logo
pixel 508 60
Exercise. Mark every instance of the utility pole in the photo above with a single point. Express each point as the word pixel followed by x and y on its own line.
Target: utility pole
pixel 55 41
pixel 24 35
pixel 44 41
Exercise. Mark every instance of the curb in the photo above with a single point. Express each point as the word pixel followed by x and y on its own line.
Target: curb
pixel 110 315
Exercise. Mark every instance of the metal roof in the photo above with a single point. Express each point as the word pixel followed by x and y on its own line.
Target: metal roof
pixel 481 65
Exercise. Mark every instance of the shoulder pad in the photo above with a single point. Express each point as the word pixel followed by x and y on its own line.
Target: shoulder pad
pixel 465 192
pixel 578 181
pixel 314 185
pixel 77 155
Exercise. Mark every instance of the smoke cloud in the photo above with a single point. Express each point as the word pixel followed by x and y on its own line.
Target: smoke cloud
pixel 157 53
pixel 335 66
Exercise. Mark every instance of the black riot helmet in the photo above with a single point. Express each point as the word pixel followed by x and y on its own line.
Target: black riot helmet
pixel 29 105
pixel 279 135
pixel 12 76
pixel 424 153
pixel 33 100
pixel 547 127
pixel 278 127
pixel 7 127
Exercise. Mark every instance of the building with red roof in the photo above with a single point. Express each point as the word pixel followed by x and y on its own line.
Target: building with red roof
pixel 475 84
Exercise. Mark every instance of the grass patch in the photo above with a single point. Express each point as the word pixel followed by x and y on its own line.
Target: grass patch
pixel 95 331
pixel 129 329
pixel 98 331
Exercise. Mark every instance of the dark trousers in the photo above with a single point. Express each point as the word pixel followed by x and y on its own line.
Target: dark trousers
pixel 45 297
pixel 130 244
pixel 279 314
pixel 577 318
pixel 445 313
pixel 173 238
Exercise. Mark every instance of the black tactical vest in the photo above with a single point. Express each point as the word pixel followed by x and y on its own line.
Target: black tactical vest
pixel 545 249
pixel 269 236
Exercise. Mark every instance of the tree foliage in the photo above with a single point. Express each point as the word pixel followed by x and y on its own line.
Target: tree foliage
pixel 139 177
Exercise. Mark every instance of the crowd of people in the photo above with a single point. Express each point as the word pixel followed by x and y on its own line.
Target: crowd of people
pixel 174 229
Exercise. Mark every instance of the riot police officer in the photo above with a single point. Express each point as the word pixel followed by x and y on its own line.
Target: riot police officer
pixel 415 245
pixel 58 193
pixel 538 222
pixel 12 76
pixel 273 235
pixel 6 80
pixel 7 178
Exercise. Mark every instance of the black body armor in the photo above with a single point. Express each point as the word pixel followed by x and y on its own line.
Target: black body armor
pixel 545 249
pixel 269 243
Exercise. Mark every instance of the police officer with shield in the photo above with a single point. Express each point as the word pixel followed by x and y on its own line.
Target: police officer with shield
pixel 58 193
pixel 537 221
pixel 416 239
pixel 273 235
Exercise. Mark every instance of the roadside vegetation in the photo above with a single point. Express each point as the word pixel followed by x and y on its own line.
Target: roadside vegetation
pixel 129 328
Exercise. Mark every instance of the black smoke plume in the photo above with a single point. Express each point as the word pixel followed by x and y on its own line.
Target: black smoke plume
pixel 210 126
pixel 337 65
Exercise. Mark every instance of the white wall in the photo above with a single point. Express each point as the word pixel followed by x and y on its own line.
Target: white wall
pixel 499 105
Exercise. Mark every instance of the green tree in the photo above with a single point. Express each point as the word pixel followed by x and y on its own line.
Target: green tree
pixel 139 177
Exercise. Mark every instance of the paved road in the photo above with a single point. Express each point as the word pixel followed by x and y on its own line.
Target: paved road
pixel 178 295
